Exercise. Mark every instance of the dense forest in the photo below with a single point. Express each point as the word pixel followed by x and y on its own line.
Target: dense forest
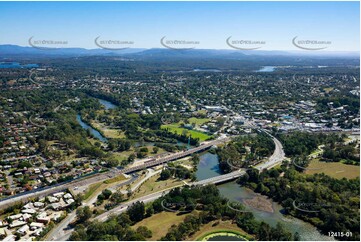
pixel 208 203
pixel 245 151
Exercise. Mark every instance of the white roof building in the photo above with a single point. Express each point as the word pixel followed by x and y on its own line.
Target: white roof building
pixel 23 230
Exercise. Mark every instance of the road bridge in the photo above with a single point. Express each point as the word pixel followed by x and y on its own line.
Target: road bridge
pixel 26 196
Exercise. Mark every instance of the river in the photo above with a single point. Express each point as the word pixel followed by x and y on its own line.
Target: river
pixel 208 167
pixel 107 105
pixel 94 132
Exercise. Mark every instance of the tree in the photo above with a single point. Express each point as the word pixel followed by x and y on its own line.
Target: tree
pixel 136 211
pixel 165 174
pixel 83 214
pixel 144 231
pixel 117 197
pixel 106 193
pixel 150 211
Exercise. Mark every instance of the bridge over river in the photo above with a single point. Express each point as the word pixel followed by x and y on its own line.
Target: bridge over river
pixel 276 158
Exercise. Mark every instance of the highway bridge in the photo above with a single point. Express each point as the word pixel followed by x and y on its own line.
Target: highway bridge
pixel 173 157
pixel 220 179
pixel 26 196
pixel 276 158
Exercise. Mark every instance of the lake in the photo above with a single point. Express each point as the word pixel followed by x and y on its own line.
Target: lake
pixel 207 70
pixel 267 69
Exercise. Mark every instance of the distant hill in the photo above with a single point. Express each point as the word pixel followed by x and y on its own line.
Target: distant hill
pixel 11 51
pixel 15 50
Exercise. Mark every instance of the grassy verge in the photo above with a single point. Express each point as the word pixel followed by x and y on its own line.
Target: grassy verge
pixel 92 189
pixel 115 179
pixel 153 185
pixel 334 169
pixel 160 223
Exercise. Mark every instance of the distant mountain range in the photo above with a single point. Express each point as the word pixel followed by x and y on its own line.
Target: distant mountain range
pixel 12 51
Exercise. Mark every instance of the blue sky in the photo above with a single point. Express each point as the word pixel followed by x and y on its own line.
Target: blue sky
pixel 209 23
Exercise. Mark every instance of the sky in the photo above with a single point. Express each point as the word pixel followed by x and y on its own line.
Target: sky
pixel 206 24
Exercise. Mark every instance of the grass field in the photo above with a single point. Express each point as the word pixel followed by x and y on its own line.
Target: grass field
pixel 160 223
pixel 108 132
pixel 198 121
pixel 175 128
pixel 334 169
pixel 92 189
pixel 152 185
pixel 119 156
pixel 221 226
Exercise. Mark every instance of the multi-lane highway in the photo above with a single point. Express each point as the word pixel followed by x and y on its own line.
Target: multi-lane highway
pixel 276 158
pixel 175 156
pixel 106 175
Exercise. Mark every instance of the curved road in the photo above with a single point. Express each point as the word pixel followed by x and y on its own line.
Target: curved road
pixel 276 158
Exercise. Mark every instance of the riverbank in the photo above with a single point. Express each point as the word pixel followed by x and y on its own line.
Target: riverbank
pixel 260 203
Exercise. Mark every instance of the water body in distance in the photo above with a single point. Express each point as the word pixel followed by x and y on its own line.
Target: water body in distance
pixel 267 69
pixel 17 65
pixel 207 70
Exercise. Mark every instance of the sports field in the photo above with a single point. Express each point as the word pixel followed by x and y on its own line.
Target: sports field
pixel 334 169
